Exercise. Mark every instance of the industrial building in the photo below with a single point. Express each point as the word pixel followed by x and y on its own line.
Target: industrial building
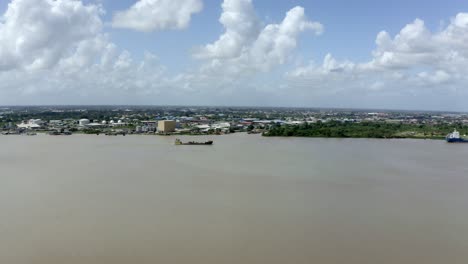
pixel 84 122
pixel 166 126
pixel 31 124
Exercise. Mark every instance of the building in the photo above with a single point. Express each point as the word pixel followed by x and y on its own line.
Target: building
pixel 31 124
pixel 203 128
pixel 119 123
pixel 38 122
pixel 55 122
pixel 95 125
pixel 84 122
pixel 223 125
pixel 166 126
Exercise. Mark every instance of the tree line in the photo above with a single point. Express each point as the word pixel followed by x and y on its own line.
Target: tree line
pixel 339 129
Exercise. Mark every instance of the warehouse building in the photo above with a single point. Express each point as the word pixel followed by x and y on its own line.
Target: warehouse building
pixel 166 126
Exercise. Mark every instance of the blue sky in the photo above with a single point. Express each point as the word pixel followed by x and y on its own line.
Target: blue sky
pixel 327 57
pixel 351 26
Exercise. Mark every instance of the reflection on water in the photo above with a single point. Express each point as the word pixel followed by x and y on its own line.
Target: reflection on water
pixel 247 199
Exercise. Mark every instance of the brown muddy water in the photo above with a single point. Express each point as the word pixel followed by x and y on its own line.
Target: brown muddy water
pixel 246 199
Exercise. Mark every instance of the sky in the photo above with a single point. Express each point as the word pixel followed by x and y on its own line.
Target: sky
pixel 305 53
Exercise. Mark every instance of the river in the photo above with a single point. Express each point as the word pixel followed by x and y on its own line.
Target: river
pixel 246 199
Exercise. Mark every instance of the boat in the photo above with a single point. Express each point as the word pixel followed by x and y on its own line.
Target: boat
pixel 206 143
pixel 11 133
pixel 115 133
pixel 454 137
pixel 60 132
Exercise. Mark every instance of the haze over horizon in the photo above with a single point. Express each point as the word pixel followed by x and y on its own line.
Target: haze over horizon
pixel 130 106
pixel 364 54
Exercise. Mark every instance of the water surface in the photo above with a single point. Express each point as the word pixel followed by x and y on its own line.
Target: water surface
pixel 247 199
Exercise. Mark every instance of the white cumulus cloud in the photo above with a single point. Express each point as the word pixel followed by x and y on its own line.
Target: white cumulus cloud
pixel 276 41
pixel 245 47
pixel 37 34
pixel 56 49
pixel 151 15
pixel 415 62
pixel 242 28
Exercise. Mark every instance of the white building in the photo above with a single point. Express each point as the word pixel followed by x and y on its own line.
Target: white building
pixel 84 122
pixel 203 127
pixel 31 124
pixel 36 122
pixel 221 126
pixel 94 124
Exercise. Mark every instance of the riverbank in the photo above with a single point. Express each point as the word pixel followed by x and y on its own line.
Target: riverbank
pixel 365 130
pixel 265 134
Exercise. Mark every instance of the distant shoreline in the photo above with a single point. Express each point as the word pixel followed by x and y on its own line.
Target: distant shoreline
pixel 377 130
pixel 393 138
pixel 215 135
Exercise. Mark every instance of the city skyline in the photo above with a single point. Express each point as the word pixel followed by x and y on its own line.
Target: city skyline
pixel 235 52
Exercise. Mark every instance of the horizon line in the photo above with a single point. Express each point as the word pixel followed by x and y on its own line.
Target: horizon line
pixel 235 106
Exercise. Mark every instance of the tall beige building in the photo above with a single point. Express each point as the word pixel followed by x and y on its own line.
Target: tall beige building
pixel 166 126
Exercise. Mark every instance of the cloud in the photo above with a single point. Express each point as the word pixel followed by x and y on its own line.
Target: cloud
pixel 38 34
pixel 57 49
pixel 438 77
pixel 413 53
pixel 276 41
pixel 151 15
pixel 244 47
pixel 415 62
pixel 413 45
pixel 242 27
pixel 239 67
pixel 82 62
pixel 116 77
pixel 416 46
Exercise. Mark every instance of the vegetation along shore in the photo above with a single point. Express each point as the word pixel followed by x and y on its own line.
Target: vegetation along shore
pixel 337 129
